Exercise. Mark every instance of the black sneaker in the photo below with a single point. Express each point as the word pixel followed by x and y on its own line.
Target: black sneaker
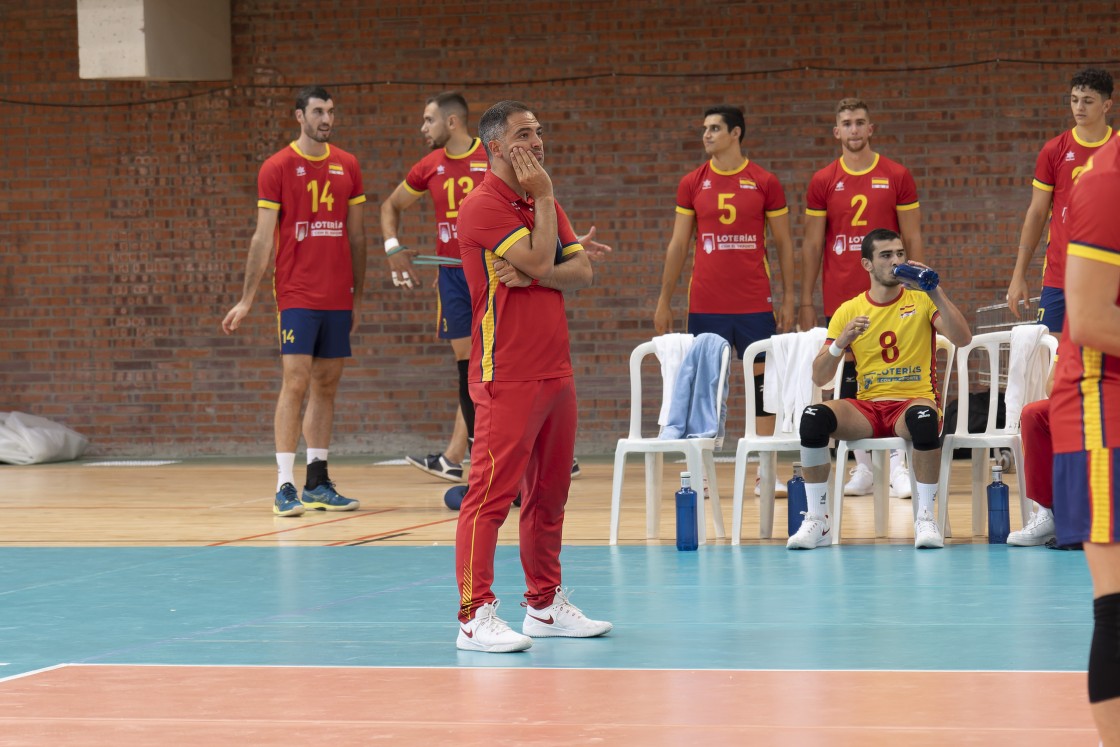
pixel 437 464
pixel 1052 544
pixel 575 468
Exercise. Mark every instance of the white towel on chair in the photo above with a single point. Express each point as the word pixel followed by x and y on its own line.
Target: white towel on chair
pixel 788 387
pixel 1026 371
pixel 670 350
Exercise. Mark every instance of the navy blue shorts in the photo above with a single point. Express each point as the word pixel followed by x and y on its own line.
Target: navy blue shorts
pixel 1087 496
pixel 1052 309
pixel 738 329
pixel 320 334
pixel 454 304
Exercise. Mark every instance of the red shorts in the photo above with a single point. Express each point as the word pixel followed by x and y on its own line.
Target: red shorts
pixel 883 414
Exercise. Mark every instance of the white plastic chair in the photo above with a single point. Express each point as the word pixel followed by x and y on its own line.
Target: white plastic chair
pixel 699 454
pixel 1008 437
pixel 767 448
pixel 880 449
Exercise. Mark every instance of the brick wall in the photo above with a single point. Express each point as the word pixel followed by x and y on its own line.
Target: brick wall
pixel 125 227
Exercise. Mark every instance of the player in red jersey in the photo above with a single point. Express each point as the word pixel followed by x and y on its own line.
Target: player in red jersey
pixel 455 166
pixel 310 209
pixel 1058 165
pixel 858 190
pixel 520 257
pixel 729 202
pixel 1085 417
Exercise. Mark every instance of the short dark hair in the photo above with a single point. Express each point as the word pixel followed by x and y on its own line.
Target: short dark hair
pixel 450 102
pixel 732 117
pixel 867 248
pixel 851 104
pixel 492 125
pixel 1094 79
pixel 310 92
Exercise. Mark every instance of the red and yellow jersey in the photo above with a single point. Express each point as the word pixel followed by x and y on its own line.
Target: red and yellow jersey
pixel 518 334
pixel 730 274
pixel 448 179
pixel 1085 402
pixel 896 357
pixel 313 195
pixel 853 203
pixel 1059 163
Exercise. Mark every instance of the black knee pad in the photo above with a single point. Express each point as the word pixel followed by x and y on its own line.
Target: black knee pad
pixel 466 404
pixel 817 425
pixel 1104 653
pixel 758 407
pixel 849 382
pixel 923 425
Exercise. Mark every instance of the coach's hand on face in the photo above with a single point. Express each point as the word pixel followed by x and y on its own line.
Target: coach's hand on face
pixel 530 173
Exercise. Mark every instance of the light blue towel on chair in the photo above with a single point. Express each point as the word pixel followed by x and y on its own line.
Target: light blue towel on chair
pixel 697 410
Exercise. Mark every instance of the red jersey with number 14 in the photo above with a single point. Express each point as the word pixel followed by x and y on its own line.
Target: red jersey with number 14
pixel 313 195
pixel 449 179
pixel 854 203
pixel 730 274
pixel 1085 403
pixel 1059 162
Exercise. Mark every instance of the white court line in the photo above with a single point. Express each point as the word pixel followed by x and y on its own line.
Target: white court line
pixel 33 672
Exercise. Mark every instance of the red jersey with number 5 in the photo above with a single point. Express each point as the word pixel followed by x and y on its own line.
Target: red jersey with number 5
pixel 449 179
pixel 730 273
pixel 313 195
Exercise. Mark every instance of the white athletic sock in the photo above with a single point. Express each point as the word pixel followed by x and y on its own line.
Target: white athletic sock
pixel 317 454
pixel 285 468
pixel 927 492
pixel 863 456
pixel 816 498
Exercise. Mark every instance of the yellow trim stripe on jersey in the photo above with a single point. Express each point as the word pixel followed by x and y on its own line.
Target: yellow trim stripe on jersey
pixel 776 213
pixel 468 152
pixel 685 211
pixel 571 249
pixel 733 172
pixel 1100 494
pixel 358 200
pixel 295 146
pixel 859 173
pixel 1042 185
pixel 908 206
pixel 410 190
pixel 1086 144
pixel 504 245
pixel 486 327
pixel 817 213
pixel 268 204
pixel 1092 362
pixel 1095 253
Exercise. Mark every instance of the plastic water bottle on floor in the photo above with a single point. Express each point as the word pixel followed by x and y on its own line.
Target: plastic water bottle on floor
pixel 686 515
pixel 797 502
pixel 999 522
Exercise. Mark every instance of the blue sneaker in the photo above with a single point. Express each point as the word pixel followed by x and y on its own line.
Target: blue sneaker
pixel 325 498
pixel 287 501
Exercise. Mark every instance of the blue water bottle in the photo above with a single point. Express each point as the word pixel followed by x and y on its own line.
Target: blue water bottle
pixel 686 515
pixel 999 522
pixel 926 278
pixel 797 502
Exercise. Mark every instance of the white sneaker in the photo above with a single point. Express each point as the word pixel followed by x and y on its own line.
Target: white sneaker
pixel 490 633
pixel 1038 531
pixel 780 489
pixel 900 483
pixel 862 482
pixel 561 619
pixel 814 532
pixel 926 533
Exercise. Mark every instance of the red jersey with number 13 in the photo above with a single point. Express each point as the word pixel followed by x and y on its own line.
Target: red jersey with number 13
pixel 449 179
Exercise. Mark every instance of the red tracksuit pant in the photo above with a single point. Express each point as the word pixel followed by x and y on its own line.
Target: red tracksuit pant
pixel 1038 452
pixel 524 438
